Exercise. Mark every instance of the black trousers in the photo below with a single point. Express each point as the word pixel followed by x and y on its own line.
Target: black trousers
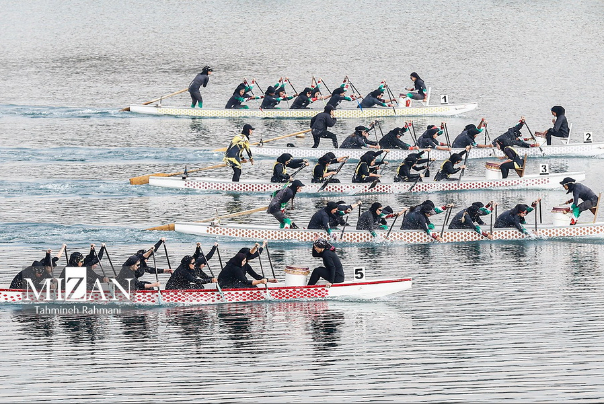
pixel 326 134
pixel 550 133
pixel 236 174
pixel 322 272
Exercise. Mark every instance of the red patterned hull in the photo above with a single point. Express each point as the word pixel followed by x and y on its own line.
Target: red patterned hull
pixel 348 290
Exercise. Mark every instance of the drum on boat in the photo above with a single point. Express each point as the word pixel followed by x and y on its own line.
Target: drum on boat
pixel 560 215
pixel 296 276
pixel 493 170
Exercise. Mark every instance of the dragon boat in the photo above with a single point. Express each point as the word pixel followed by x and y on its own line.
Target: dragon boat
pixel 377 112
pixel 351 290
pixel 550 181
pixel 351 236
pixel 557 150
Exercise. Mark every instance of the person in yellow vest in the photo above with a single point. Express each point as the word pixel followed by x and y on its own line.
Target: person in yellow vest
pixel 233 156
pixel 514 161
pixel 284 162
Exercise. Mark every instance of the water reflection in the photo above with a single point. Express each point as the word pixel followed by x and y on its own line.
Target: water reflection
pixel 326 329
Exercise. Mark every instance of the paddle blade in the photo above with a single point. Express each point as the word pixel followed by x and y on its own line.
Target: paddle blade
pixel 144 179
pixel 125 109
pixel 165 227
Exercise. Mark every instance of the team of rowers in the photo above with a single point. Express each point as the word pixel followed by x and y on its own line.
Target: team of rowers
pixel 277 93
pixel 189 274
pixel 409 170
pixel 418 217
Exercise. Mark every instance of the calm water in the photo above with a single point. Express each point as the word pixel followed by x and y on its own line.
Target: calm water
pixel 484 322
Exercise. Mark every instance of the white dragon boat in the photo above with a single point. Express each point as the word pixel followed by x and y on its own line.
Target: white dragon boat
pixel 557 150
pixel 351 290
pixel 351 236
pixel 428 110
pixel 549 181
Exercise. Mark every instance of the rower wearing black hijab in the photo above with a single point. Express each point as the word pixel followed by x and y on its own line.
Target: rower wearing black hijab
pixel 332 270
pixel 319 124
pixel 233 276
pixel 579 191
pixel 515 217
pixel 283 162
pixel 560 128
pixel 448 168
pixel 469 218
pixel 279 202
pixel 200 80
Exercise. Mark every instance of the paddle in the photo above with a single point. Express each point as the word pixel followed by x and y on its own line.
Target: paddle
pixel 464 168
pixel 386 86
pixel 344 228
pixel 447 136
pixel 170 226
pixel 110 263
pixel 314 83
pixel 66 255
pixel 327 181
pixel 144 179
pixel 158 99
pixel 159 301
pixel 492 219
pixel 100 265
pixel 532 136
pixel 210 269
pixel 392 97
pixel 426 170
pixel 374 183
pixel 268 140
pixel 540 213
pixel 393 222
pixel 219 258
pixel 167 257
pixel 268 254
pixel 262 269
pixel 413 135
pixel 446 221
pixel 354 89
pixel 325 84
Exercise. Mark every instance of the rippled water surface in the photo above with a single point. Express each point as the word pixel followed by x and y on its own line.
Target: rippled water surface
pixel 502 321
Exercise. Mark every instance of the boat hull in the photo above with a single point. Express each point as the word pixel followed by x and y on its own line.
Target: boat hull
pixel 550 181
pixel 276 292
pixel 431 110
pixel 258 232
pixel 562 150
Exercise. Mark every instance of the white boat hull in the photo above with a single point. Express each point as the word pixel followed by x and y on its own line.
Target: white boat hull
pixel 430 110
pixel 561 150
pixel 273 233
pixel 276 292
pixel 550 181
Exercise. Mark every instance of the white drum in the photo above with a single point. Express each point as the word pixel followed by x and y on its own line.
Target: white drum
pixel 560 216
pixel 296 276
pixel 493 172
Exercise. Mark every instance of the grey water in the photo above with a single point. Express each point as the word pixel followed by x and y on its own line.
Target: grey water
pixel 484 322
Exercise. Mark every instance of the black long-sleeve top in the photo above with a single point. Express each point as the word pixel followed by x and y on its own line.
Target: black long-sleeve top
pixel 301 102
pixel 198 81
pixel 320 122
pixel 332 263
pixel 416 220
pixel 391 141
pixel 510 218
pixel 580 191
pixel 183 277
pixel 283 196
pixel 322 219
pixel 234 276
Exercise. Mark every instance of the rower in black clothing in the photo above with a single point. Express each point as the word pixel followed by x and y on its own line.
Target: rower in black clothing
pixel 448 166
pixel 241 95
pixel 325 218
pixel 513 161
pixel 516 217
pixel 251 254
pixel 359 139
pixel 428 139
pixel 560 128
pixel 202 260
pixel 283 162
pixel 321 172
pixel 580 191
pixel 304 99
pixel 233 276
pixel 366 169
pixel 319 124
pixel 200 80
pixel 185 277
pixel 418 218
pixel 233 156
pixel 513 136
pixel 128 275
pixel 76 259
pixel 337 96
pixel 468 136
pixel 420 86
pixel 279 202
pixel 375 218
pixel 332 270
pixel 469 218
pixel 144 255
pixel 392 140
pixel 37 272
pixel 376 97
pixel 404 174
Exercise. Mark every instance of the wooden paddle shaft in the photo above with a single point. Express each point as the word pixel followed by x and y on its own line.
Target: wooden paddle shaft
pixel 144 179
pixel 160 98
pixel 170 226
pixel 269 140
